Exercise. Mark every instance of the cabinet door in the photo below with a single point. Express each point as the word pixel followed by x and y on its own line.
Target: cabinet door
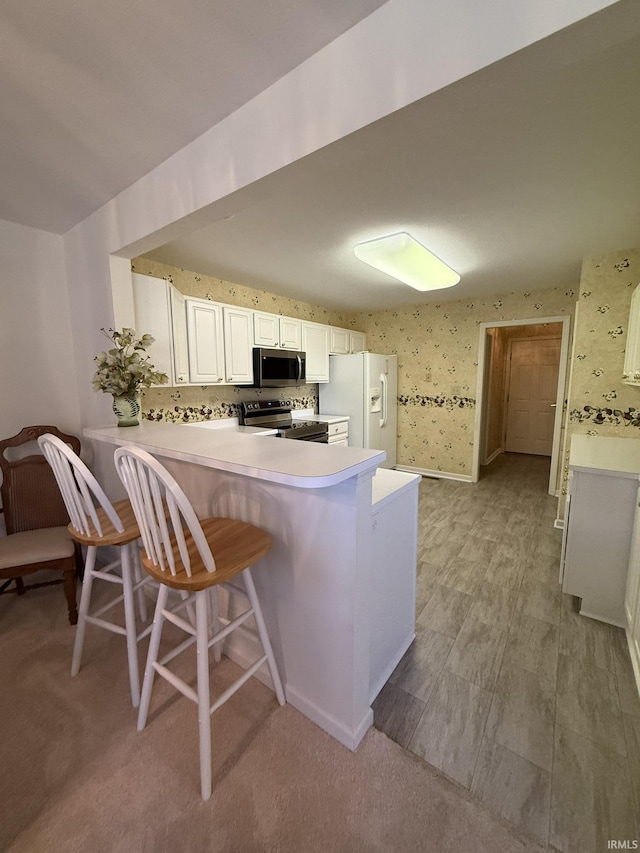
pixel 179 330
pixel 204 333
pixel 266 329
pixel 357 342
pixel 631 370
pixel 153 317
pixel 340 341
pixel 315 342
pixel 238 344
pixel 291 333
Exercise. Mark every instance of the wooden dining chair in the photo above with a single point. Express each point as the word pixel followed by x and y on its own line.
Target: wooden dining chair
pixel 35 517
pixel 97 523
pixel 193 557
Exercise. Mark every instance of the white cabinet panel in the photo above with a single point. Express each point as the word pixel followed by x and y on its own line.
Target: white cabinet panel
pixel 179 329
pixel 266 329
pixel 291 333
pixel 153 301
pixel 315 343
pixel 340 341
pixel 598 540
pixel 631 369
pixel 272 330
pixel 357 342
pixel 206 349
pixel 238 344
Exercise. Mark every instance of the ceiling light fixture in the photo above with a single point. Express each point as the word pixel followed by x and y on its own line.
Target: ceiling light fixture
pixel 402 257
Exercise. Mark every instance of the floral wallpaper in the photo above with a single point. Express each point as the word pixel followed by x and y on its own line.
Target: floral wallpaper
pixel 600 403
pixel 207 402
pixel 437 348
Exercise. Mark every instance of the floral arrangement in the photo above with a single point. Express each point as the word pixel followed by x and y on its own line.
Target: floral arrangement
pixel 125 368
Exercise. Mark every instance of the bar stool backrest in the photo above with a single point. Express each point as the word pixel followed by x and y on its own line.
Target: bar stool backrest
pixel 81 492
pixel 152 491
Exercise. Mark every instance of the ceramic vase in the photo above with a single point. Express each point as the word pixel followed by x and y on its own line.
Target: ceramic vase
pixel 126 408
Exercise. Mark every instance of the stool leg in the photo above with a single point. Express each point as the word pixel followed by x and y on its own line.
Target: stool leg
pixel 215 622
pixel 204 699
pixel 152 656
pixel 85 600
pixel 130 624
pixel 262 632
pixel 138 575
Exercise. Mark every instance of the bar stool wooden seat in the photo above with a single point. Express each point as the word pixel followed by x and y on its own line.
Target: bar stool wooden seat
pixel 97 523
pixel 193 558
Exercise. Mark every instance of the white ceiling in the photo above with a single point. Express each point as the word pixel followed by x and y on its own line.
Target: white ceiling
pixel 96 93
pixel 511 176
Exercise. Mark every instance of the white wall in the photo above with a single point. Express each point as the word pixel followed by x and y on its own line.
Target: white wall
pixel 404 51
pixel 38 383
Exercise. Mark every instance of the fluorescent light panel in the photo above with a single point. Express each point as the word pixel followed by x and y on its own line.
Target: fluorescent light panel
pixel 402 257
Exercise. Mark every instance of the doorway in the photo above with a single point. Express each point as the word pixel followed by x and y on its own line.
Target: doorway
pixel 530 395
pixel 534 419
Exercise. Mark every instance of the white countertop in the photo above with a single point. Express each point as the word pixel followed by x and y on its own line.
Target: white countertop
pixel 309 415
pixel 388 483
pixel 302 464
pixel 599 453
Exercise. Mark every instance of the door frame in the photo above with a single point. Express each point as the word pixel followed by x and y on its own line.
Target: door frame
pixel 481 402
pixel 507 378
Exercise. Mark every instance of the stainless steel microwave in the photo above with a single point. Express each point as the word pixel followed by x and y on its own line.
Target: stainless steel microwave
pixel 278 368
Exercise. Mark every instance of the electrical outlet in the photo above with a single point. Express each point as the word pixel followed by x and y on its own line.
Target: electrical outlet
pixel 455 390
pixel 427 376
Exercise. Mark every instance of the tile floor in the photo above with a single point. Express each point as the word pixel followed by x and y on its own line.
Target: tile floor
pixel 507 689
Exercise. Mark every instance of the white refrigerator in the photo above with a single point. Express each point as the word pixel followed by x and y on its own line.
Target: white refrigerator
pixel 364 386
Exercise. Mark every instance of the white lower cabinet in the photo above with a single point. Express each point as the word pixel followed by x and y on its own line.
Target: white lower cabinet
pixel 238 345
pixel 315 343
pixel 339 432
pixel 205 337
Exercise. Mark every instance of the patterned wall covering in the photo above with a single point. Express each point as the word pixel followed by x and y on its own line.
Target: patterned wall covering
pixel 197 402
pixel 437 348
pixel 599 402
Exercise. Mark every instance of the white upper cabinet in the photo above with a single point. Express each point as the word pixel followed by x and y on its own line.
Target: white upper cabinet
pixel 177 301
pixel 238 344
pixel 357 342
pixel 315 343
pixel 160 312
pixel 339 341
pixel 266 329
pixel 631 370
pixel 291 333
pixel 205 339
pixel 272 330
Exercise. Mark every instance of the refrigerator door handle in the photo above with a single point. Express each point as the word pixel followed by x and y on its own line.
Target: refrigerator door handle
pixel 383 382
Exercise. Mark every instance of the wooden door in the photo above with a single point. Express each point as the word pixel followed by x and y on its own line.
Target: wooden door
pixel 532 389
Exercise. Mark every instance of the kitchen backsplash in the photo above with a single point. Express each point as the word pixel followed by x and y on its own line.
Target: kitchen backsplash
pixel 206 402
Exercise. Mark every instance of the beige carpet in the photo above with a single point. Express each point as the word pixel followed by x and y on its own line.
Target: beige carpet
pixel 76 776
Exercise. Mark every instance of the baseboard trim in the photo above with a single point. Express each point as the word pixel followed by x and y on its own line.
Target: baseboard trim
pixel 395 661
pixel 559 523
pixel 438 475
pixel 493 456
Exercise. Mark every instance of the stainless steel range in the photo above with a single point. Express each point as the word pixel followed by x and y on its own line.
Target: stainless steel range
pixel 276 414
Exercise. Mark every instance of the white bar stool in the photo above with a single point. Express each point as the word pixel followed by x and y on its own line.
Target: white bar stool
pixel 95 527
pixel 195 557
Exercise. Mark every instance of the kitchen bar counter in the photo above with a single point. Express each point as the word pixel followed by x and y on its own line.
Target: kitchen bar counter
pixel 324 585
pixel 303 464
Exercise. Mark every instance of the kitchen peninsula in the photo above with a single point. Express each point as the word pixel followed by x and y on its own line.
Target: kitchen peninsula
pixel 338 586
